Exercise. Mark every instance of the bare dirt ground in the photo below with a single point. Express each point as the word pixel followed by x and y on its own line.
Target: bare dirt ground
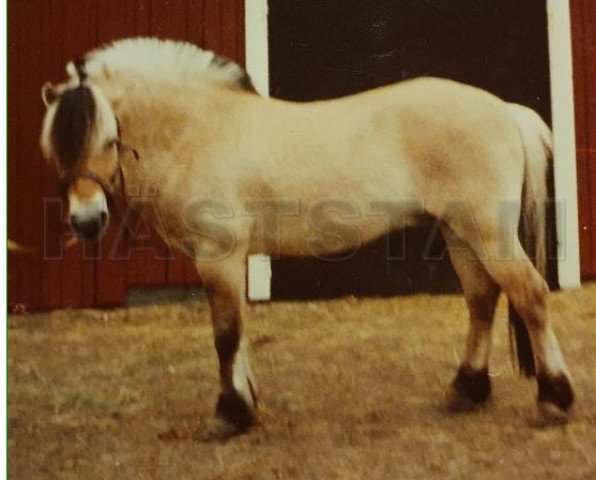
pixel 350 389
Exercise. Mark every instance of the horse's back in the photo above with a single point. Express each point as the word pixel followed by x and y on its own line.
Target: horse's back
pixel 421 144
pixel 411 139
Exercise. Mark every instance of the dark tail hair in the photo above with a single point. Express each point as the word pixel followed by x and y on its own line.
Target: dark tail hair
pixel 537 143
pixel 519 339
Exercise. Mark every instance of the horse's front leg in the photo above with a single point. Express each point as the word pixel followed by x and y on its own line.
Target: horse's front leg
pixel 225 284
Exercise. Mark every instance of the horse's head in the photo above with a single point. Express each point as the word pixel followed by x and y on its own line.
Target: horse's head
pixel 80 130
pixel 80 135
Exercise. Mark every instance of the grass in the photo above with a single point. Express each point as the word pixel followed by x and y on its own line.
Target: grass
pixel 350 389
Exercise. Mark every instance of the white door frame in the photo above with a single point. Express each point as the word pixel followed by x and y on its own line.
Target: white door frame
pixel 565 153
pixel 257 66
pixel 563 116
pixel 257 43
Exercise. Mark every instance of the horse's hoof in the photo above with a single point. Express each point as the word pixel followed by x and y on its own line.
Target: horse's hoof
pixel 216 429
pixel 555 399
pixel 233 416
pixel 470 390
pixel 233 409
pixel 556 390
pixel 456 402
pixel 550 415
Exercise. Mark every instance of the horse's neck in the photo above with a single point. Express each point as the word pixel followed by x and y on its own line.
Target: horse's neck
pixel 164 123
pixel 183 128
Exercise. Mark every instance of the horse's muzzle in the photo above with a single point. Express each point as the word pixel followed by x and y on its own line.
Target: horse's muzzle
pixel 89 229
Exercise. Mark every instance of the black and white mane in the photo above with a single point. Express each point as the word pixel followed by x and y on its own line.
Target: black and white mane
pixel 164 59
pixel 68 126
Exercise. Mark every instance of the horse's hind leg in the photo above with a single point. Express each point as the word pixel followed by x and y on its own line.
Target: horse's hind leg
pixel 225 284
pixel 471 386
pixel 527 290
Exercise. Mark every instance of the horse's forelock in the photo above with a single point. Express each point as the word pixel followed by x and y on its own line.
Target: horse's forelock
pixel 73 121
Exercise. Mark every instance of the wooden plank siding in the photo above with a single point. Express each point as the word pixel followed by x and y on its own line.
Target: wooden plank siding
pixel 583 22
pixel 331 48
pixel 42 36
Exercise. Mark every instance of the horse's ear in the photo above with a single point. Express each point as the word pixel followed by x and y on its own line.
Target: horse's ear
pixel 48 94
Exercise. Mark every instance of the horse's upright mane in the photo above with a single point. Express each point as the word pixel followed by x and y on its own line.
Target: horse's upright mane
pixel 163 60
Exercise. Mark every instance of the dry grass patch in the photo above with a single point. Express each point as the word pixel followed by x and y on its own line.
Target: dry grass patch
pixel 350 389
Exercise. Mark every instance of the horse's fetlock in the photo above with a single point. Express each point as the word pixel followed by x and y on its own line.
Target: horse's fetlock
pixel 226 345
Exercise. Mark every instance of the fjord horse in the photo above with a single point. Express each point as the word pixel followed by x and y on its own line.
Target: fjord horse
pixel 237 174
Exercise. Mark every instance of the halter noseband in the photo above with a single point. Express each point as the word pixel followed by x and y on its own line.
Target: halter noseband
pixel 107 186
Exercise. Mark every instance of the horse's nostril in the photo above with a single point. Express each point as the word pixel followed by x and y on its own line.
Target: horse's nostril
pixel 74 223
pixel 88 229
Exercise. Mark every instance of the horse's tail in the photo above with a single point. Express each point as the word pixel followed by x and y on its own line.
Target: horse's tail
pixel 537 143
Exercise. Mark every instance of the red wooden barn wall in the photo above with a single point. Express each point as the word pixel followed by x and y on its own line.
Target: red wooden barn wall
pixel 42 36
pixel 584 55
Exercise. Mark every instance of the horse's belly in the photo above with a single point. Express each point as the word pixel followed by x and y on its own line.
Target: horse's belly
pixel 329 227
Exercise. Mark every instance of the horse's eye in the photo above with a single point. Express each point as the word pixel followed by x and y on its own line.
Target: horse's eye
pixel 111 144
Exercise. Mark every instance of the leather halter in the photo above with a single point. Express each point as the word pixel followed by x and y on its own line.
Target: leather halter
pixel 107 186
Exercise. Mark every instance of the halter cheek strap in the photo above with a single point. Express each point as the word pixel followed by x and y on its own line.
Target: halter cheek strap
pixel 106 186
